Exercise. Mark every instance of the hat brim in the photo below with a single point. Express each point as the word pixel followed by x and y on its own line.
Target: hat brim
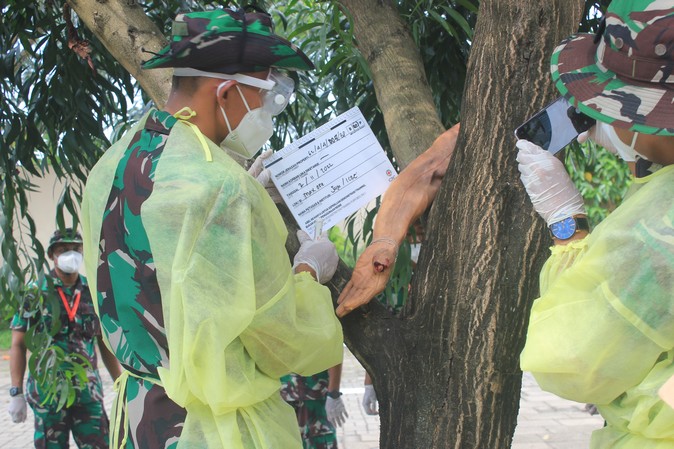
pixel 603 95
pixel 260 53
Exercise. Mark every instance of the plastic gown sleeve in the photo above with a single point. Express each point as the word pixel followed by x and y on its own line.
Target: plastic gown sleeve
pixel 605 311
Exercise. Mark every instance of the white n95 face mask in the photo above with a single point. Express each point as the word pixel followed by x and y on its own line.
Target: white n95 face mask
pixel 254 130
pixel 626 152
pixel 69 262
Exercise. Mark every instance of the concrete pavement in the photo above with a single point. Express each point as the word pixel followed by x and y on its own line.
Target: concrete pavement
pixel 545 421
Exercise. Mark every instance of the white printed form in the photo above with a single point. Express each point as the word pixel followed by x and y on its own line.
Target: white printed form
pixel 331 172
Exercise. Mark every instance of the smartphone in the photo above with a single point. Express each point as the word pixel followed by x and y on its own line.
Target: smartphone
pixel 555 126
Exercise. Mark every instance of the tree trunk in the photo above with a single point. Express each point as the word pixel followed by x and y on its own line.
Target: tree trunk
pixel 126 31
pixel 451 379
pixel 400 82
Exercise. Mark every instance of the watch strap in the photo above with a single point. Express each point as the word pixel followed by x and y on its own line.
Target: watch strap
pixel 581 224
pixel 15 391
pixel 334 394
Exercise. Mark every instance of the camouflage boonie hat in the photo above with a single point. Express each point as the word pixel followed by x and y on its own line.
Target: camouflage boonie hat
pixel 227 41
pixel 68 235
pixel 623 75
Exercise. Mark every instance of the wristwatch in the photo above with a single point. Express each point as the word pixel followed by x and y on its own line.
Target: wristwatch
pixel 15 391
pixel 566 228
pixel 334 394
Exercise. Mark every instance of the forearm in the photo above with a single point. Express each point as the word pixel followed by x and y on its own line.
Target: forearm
pixel 334 377
pixel 17 359
pixel 412 192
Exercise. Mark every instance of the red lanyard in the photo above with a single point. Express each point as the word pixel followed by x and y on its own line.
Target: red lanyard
pixel 71 311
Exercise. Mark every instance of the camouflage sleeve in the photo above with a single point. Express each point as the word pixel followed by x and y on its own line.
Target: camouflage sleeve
pixel 20 320
pixel 19 323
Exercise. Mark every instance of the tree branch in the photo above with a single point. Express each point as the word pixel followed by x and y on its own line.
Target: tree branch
pixel 125 31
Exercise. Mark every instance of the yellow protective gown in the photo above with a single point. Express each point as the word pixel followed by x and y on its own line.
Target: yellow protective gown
pixel 236 317
pixel 602 331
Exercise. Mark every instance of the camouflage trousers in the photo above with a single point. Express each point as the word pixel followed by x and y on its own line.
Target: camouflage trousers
pixel 315 429
pixel 85 418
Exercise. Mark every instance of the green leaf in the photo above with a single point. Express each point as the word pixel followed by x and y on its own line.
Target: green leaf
pixel 450 29
pixel 460 20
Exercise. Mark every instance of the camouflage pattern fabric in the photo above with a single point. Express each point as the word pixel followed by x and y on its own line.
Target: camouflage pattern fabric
pixel 129 299
pixel 307 395
pixel 86 417
pixel 228 41
pixel 625 75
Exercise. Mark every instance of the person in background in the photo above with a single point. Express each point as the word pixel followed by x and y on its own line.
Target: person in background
pixel 369 396
pixel 318 405
pixel 77 335
pixel 195 290
pixel 602 330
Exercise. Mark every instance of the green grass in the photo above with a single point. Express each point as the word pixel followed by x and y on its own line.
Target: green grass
pixel 5 338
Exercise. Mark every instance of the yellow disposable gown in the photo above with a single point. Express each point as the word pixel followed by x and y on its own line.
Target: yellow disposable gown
pixel 602 331
pixel 236 317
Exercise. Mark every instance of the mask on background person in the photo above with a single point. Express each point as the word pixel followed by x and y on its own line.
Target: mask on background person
pixel 626 152
pixel 254 130
pixel 69 262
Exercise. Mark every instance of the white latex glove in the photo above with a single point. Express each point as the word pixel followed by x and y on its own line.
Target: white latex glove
pixel 605 135
pixel 370 400
pixel 319 254
pixel 263 176
pixel 599 135
pixel 336 411
pixel 17 408
pixel 548 184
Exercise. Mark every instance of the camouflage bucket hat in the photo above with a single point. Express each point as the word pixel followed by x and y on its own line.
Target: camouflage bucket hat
pixel 623 75
pixel 227 41
pixel 68 235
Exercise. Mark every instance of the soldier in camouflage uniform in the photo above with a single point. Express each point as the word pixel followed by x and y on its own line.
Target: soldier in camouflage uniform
pixel 318 406
pixel 602 330
pixel 79 331
pixel 195 290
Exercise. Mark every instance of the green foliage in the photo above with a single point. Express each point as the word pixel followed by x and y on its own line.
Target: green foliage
pixel 56 107
pixel 5 339
pixel 343 245
pixel 601 177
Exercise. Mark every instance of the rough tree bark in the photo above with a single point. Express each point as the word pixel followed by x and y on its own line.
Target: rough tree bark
pixel 126 31
pixel 400 82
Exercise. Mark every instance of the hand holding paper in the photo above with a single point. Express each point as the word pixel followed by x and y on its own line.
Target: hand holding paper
pixel 263 176
pixel 320 254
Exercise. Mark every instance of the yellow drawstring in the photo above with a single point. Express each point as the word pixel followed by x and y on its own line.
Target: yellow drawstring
pixel 119 407
pixel 184 115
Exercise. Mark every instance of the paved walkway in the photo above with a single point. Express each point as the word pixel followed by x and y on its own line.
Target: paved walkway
pixel 545 421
